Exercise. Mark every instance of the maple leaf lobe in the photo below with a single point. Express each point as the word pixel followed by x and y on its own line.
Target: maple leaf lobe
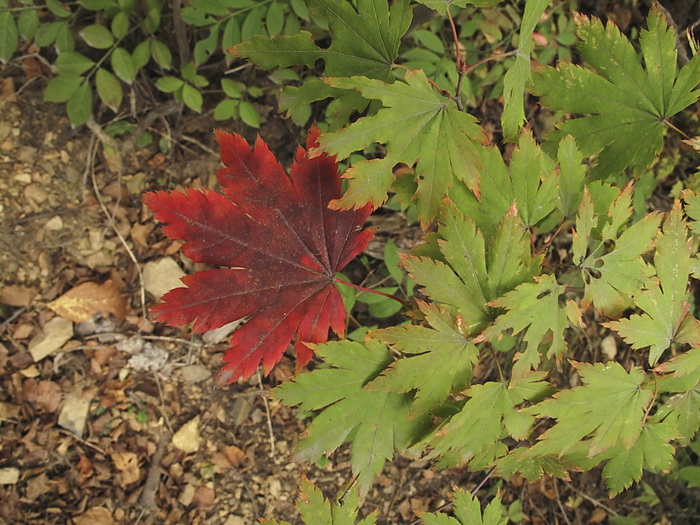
pixel 280 247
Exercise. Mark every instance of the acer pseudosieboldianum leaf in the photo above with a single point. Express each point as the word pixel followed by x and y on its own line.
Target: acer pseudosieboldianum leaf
pixel 625 105
pixel 280 245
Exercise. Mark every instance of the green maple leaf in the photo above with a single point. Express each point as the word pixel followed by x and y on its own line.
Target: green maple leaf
pixel 364 42
pixel 418 127
pixel 572 173
pixel 612 264
pixel 607 410
pixel 533 308
pixel 529 181
pixel 651 451
pixel 441 6
pixel 665 305
pixel 519 73
pixel 378 421
pixel 440 362
pixel 626 105
pixel 692 209
pixel 470 274
pixel 317 510
pixel 682 409
pixel 532 466
pixel 473 434
pixel 467 511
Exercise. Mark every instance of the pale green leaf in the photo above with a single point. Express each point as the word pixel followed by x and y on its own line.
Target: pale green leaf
pixel 169 84
pixel 467 510
pixel 161 54
pixel 571 176
pixel 606 411
pixel 378 421
pixel 665 304
pixel 79 107
pixel 27 23
pixel 192 97
pixel 519 73
pixel 249 114
pixel 651 451
pixel 474 434
pixel 62 87
pixel 9 36
pixel 97 36
pixel 682 409
pixel 438 360
pixel 108 89
pixel 72 63
pixel 418 129
pixel 532 308
pixel 123 65
pixel 624 104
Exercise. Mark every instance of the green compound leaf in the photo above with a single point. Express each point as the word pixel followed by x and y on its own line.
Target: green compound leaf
pixel 467 510
pixel 612 264
pixel 529 181
pixel 439 359
pixel 474 434
pixel 519 73
pixel 418 128
pixel 608 410
pixel 471 275
pixel 97 36
pixel 108 89
pixel 665 305
pixel 532 308
pixel 682 410
pixel 376 422
pixel 9 35
pixel 364 42
pixel 651 451
pixel 317 510
pixel 625 104
pixel 79 107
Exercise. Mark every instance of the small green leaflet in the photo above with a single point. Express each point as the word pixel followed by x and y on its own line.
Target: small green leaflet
pixel 440 362
pixel 626 105
pixel 378 421
pixel 441 6
pixel 529 181
pixel 681 410
pixel 651 451
pixel 519 73
pixel 317 510
pixel 474 434
pixel 572 173
pixel 665 304
pixel 612 264
pixel 365 42
pixel 532 467
pixel 471 276
pixel 418 128
pixel 467 511
pixel 692 209
pixel 608 409
pixel 535 307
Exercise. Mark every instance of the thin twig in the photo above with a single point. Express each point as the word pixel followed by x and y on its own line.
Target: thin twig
pixel 269 419
pixel 162 402
pixel 14 316
pixel 91 162
pixel 559 503
pixel 256 511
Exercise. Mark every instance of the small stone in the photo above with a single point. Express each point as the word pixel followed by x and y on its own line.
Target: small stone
pixel 55 223
pixel 195 373
pixel 23 178
pixel 161 276
pixel 56 333
pixel 9 476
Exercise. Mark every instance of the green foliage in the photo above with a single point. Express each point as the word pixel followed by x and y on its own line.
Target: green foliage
pixel 627 105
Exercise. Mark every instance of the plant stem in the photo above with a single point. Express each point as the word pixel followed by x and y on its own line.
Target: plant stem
pixel 404 302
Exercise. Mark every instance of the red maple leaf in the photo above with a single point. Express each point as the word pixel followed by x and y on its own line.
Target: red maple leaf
pixel 281 247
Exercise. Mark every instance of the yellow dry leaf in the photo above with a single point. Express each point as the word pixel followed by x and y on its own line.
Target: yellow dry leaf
pixel 87 299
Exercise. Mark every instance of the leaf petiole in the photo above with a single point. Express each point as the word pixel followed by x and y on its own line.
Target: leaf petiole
pixel 404 302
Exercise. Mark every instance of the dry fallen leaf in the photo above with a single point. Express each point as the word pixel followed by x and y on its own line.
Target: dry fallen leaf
pixel 94 515
pixel 187 438
pixel 128 464
pixel 14 295
pixel 54 335
pixel 161 276
pixel 73 416
pixel 44 395
pixel 85 300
